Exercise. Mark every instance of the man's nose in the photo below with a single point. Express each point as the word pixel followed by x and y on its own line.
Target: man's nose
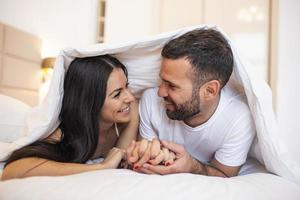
pixel 162 90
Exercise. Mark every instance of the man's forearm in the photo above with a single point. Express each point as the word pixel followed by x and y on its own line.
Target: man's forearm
pixel 208 170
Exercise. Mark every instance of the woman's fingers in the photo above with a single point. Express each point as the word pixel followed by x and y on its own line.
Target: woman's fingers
pixel 170 159
pixel 137 150
pixel 159 158
pixel 129 150
pixel 143 159
pixel 135 155
pixel 145 151
pixel 143 147
pixel 166 153
pixel 155 148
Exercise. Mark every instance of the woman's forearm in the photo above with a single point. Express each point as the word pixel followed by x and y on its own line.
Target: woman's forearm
pixel 41 167
pixel 127 135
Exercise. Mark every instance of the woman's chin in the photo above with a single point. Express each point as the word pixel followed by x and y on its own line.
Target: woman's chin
pixel 123 119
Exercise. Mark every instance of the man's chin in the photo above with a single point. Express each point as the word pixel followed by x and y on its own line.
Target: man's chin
pixel 171 115
pixel 169 107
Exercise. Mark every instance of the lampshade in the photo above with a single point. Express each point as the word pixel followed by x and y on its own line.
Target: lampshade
pixel 48 62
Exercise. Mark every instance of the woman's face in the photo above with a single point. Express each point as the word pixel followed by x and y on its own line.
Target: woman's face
pixel 116 108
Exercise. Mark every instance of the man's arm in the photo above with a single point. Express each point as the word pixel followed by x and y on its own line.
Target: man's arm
pixel 185 163
pixel 214 169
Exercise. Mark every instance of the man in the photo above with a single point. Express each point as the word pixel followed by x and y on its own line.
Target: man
pixel 208 126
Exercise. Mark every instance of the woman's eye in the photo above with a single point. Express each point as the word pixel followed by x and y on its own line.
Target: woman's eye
pixel 117 94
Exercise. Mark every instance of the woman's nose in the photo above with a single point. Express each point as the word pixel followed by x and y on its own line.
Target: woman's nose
pixel 129 96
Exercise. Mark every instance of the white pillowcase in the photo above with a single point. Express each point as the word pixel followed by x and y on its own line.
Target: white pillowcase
pixel 12 118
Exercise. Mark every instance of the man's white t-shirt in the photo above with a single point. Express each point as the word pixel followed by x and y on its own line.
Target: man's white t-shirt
pixel 227 135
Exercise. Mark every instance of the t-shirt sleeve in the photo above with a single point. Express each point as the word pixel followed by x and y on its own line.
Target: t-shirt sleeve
pixel 236 146
pixel 146 110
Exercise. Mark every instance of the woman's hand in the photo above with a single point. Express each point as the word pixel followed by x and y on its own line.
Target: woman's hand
pixel 184 162
pixel 150 152
pixel 113 158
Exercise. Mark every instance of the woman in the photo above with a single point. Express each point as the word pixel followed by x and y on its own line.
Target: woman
pixel 96 106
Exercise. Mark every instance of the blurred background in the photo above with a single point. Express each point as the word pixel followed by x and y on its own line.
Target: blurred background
pixel 266 33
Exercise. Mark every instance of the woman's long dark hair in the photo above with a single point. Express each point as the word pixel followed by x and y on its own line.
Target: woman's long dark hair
pixel 84 95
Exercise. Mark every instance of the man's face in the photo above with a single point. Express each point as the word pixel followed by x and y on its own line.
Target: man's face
pixel 181 98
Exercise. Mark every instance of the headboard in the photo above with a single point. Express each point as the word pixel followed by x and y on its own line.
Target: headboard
pixel 20 61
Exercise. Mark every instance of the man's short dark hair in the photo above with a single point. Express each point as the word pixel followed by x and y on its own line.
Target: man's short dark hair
pixel 208 52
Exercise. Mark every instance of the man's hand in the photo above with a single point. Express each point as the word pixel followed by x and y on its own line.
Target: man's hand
pixel 184 163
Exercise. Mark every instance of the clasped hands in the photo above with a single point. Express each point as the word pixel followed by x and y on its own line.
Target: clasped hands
pixel 159 157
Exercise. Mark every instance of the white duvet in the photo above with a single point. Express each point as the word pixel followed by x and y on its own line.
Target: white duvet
pixel 128 185
pixel 142 59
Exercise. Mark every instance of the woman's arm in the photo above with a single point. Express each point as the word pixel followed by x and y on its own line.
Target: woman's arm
pixel 33 166
pixel 129 133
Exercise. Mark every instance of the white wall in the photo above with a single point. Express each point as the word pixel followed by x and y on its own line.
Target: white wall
pixel 59 23
pixel 130 19
pixel 288 91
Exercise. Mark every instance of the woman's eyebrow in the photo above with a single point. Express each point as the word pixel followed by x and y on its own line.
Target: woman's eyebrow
pixel 116 90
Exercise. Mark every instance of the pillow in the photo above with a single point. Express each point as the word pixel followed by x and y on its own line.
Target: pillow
pixel 12 118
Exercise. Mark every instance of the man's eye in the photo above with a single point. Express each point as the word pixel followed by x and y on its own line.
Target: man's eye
pixel 117 94
pixel 172 87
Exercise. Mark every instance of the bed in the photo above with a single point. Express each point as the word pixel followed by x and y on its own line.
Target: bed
pixel 20 64
pixel 126 184
pixel 279 178
pixel 20 78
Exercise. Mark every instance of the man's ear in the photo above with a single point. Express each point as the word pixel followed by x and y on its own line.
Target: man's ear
pixel 210 89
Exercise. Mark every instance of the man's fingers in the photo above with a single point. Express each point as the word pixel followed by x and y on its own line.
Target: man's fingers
pixel 157 169
pixel 145 171
pixel 176 148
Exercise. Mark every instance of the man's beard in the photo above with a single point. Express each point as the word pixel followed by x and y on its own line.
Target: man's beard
pixel 185 110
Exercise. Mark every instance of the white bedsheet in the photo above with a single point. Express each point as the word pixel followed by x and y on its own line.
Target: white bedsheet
pixel 125 184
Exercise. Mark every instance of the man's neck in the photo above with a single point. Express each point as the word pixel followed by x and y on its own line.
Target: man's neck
pixel 204 115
